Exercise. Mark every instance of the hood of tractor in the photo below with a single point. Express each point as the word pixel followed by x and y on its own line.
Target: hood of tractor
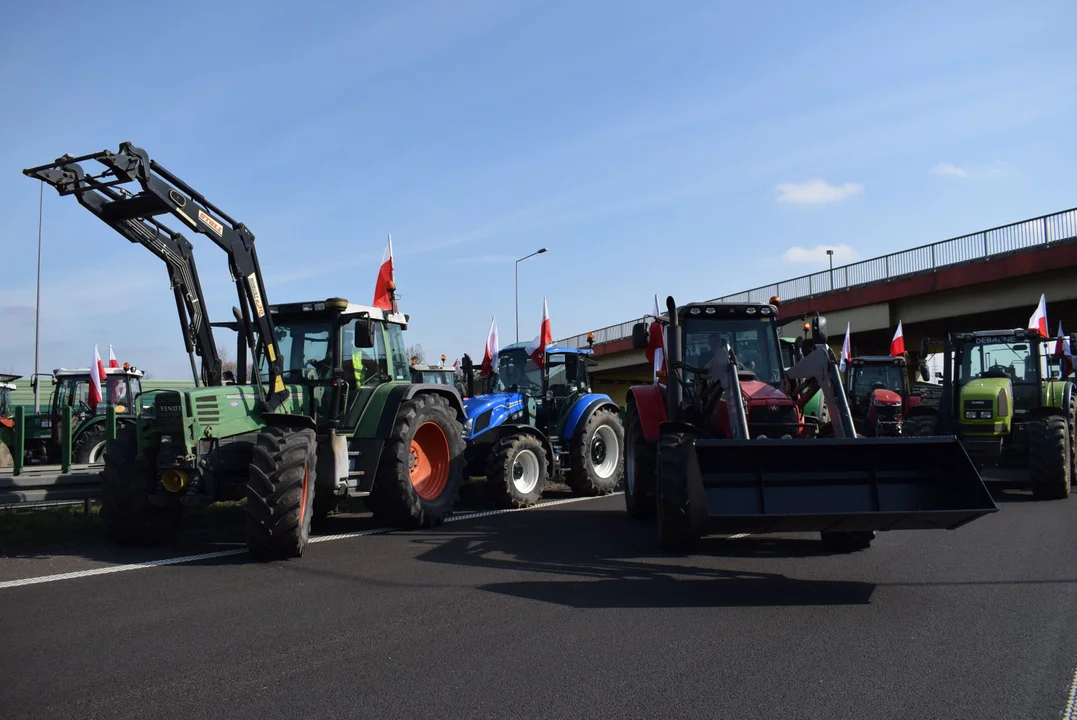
pixel 882 396
pixel 215 412
pixel 488 411
pixel 979 412
pixel 760 393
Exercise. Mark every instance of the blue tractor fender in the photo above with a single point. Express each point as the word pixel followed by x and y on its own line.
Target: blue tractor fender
pixel 583 409
pixel 486 413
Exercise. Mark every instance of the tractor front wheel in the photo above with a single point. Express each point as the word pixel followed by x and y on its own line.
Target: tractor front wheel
pixel 518 470
pixel 127 484
pixel 597 455
pixel 6 459
pixel 280 492
pixel 1049 458
pixel 89 446
pixel 640 466
pixel 921 426
pixel 422 465
pixel 675 533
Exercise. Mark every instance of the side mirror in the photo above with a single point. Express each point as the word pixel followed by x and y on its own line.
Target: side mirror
pixel 640 336
pixel 925 372
pixel 364 333
pixel 818 330
pixel 925 348
pixel 229 377
pixel 572 368
pixel 798 343
pixel 468 366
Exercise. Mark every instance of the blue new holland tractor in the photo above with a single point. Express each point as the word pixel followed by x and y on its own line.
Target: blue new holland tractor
pixel 527 424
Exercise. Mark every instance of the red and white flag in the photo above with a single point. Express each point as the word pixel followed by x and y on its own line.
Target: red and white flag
pixel 489 356
pixel 456 363
pixel 383 291
pixel 846 349
pixel 537 347
pixel 897 345
pixel 97 377
pixel 656 347
pixel 112 361
pixel 1038 321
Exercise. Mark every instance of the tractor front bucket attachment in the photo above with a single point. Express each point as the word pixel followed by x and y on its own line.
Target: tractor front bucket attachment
pixel 823 485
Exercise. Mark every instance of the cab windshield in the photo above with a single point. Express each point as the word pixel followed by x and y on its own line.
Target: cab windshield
pixel 515 369
pixel 304 349
pixel 998 357
pixel 754 340
pixel 867 378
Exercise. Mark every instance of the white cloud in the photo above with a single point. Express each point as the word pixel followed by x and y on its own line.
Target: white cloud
pixel 949 170
pixel 817 255
pixel 815 192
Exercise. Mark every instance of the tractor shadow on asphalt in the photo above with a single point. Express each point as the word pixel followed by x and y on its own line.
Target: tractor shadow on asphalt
pixel 596 559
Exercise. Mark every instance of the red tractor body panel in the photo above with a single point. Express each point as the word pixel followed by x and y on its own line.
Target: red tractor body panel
pixel 650 402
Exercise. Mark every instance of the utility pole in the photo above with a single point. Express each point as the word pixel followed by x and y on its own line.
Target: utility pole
pixel 37 304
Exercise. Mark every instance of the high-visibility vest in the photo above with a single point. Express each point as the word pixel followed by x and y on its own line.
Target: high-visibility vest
pixel 357 366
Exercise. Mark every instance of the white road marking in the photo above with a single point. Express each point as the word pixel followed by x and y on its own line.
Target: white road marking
pixel 240 551
pixel 738 536
pixel 1071 705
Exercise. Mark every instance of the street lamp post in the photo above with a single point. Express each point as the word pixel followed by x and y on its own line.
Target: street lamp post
pixel 831 254
pixel 37 303
pixel 537 252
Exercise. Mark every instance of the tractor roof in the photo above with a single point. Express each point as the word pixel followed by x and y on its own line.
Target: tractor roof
pixel 1018 333
pixel 7 386
pixel 430 368
pixel 552 349
pixel 878 360
pixel 726 309
pixel 4 378
pixel 69 372
pixel 348 308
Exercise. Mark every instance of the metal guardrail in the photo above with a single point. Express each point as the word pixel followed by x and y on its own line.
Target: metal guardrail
pixel 982 245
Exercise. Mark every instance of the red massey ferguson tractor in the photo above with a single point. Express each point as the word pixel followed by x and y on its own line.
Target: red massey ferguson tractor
pixel 879 394
pixel 722 444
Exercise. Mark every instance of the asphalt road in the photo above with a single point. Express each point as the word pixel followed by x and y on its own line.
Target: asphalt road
pixel 566 612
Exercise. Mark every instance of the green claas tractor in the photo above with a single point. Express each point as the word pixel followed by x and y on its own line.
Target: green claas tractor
pixel 998 398
pixel 326 409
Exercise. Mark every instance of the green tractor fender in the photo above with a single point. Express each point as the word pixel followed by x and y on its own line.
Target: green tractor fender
pixel 1058 395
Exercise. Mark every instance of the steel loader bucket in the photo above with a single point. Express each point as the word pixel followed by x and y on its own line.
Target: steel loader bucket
pixel 813 485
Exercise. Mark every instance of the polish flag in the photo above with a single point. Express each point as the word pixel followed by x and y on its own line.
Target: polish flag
pixel 897 345
pixel 112 361
pixel 537 347
pixel 1038 321
pixel 386 285
pixel 656 353
pixel 97 377
pixel 489 357
pixel 847 349
pixel 456 363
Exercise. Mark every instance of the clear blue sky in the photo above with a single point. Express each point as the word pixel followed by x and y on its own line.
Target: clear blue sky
pixel 620 135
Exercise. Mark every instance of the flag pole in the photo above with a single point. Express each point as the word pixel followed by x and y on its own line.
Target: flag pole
pixel 37 304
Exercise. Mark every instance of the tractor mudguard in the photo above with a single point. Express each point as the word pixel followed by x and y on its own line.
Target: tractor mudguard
pixel 402 392
pixel 651 406
pixel 825 485
pixel 583 409
pixel 278 419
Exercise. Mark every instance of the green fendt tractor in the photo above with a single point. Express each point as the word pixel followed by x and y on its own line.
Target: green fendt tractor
pixel 326 409
pixel 7 409
pixel 999 399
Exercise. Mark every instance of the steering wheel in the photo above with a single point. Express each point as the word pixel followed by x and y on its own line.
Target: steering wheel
pixel 996 371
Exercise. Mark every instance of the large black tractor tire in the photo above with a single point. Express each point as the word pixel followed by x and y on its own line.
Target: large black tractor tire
pixel 128 480
pixel 922 426
pixel 1071 433
pixel 597 458
pixel 421 467
pixel 1049 458
pixel 6 459
pixel 280 492
pixel 846 542
pixel 518 471
pixel 641 464
pixel 90 445
pixel 674 526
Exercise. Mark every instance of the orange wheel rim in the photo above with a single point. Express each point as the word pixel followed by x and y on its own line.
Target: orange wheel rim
pixel 303 498
pixel 429 463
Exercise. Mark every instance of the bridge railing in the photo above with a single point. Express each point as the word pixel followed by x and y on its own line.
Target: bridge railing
pixel 982 245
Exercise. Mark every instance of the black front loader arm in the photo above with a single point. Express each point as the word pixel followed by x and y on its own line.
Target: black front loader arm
pixel 133 215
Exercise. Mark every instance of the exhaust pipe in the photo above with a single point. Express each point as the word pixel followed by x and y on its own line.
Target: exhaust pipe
pixel 674 356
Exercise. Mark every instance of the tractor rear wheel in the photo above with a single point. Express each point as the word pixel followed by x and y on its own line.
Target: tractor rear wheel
pixel 922 426
pixel 128 481
pixel 89 446
pixel 597 455
pixel 640 465
pixel 1049 457
pixel 518 470
pixel 280 492
pixel 6 459
pixel 422 465
pixel 674 528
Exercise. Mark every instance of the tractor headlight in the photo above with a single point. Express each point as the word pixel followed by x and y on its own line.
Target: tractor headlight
pixel 970 414
pixel 985 414
pixel 468 425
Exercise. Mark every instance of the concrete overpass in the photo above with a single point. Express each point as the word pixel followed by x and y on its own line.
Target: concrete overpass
pixel 985 280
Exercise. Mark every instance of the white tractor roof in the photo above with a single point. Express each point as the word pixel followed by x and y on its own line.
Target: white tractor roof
pixel 68 372
pixel 7 386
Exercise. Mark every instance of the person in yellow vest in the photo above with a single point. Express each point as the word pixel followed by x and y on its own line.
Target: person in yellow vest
pixel 357 366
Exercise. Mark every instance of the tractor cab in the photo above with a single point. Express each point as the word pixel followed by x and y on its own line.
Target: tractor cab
pixel 879 395
pixel 121 389
pixel 7 385
pixel 433 374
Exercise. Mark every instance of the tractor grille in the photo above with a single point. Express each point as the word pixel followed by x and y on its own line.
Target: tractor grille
pixel 207 410
pixel 168 411
pixel 888 413
pixel 773 421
